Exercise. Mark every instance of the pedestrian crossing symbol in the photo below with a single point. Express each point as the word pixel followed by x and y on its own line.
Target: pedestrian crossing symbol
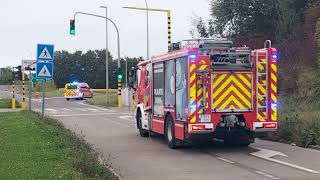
pixel 44 70
pixel 45 54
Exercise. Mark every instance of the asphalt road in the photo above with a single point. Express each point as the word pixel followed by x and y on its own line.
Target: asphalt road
pixel 112 133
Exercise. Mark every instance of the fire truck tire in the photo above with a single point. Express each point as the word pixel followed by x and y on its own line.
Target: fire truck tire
pixel 169 133
pixel 142 132
pixel 68 99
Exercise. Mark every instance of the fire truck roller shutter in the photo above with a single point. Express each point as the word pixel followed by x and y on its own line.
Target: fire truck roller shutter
pixel 181 88
pixel 232 92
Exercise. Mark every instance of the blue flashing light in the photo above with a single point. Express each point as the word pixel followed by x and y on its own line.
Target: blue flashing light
pixel 193 106
pixel 192 56
pixel 74 82
pixel 274 105
pixel 274 57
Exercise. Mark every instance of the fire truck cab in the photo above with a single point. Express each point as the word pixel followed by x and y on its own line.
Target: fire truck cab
pixel 206 89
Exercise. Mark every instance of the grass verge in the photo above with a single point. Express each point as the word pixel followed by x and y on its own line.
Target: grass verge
pixel 102 101
pixel 33 147
pixel 6 103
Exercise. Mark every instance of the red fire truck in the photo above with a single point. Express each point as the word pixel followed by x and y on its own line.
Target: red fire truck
pixel 207 89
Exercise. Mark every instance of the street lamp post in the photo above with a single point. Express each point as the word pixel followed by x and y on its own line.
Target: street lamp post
pixel 107 53
pixel 148 46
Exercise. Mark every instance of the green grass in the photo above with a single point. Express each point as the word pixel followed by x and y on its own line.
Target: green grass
pixel 6 103
pixel 102 101
pixel 41 148
pixel 54 93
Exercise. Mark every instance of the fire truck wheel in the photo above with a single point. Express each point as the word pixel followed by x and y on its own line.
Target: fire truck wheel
pixel 142 132
pixel 68 99
pixel 169 133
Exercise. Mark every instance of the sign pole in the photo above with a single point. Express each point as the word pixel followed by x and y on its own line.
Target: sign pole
pixel 30 89
pixel 43 95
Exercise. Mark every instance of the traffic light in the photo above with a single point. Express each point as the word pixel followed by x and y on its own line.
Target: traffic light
pixel 72 27
pixel 17 75
pixel 119 74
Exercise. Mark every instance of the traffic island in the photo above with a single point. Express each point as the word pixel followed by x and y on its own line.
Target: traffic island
pixel 33 147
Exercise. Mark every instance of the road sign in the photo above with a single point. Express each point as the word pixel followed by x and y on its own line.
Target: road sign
pixel 44 70
pixel 45 52
pixel 29 65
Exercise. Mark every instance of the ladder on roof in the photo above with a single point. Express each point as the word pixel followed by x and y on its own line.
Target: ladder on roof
pixel 262 84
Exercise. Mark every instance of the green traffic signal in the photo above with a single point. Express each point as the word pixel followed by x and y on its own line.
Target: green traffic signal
pixel 72 27
pixel 120 76
pixel 72 32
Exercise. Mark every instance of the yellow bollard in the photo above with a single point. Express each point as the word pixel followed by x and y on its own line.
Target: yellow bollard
pixel 119 94
pixel 13 101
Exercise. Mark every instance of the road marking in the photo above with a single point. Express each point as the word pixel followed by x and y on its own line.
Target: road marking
pixel 225 160
pixel 267 175
pixel 115 122
pixel 92 109
pixel 69 115
pixel 127 118
pixel 51 110
pixel 81 109
pixel 267 154
pixel 81 103
pixel 66 109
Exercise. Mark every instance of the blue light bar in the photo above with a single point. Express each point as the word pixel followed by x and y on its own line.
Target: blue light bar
pixel 275 56
pixel 192 56
pixel 274 105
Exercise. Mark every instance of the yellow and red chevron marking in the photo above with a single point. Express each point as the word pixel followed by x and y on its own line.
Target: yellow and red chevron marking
pixel 195 93
pixel 70 92
pixel 232 91
pixel 273 91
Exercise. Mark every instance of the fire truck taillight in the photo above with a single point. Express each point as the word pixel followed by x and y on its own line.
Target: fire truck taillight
pixel 270 125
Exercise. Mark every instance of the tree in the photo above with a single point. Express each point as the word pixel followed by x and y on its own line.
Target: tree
pixel 241 17
pixel 5 75
pixel 87 67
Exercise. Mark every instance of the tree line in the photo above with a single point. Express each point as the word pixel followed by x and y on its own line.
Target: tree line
pixel 88 67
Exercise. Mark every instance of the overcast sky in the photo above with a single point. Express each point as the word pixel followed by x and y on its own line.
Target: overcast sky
pixel 25 23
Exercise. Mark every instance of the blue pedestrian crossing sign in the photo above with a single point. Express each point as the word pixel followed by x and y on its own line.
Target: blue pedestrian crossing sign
pixel 45 52
pixel 44 70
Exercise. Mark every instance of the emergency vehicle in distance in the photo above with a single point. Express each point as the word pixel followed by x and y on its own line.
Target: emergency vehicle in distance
pixel 207 89
pixel 77 90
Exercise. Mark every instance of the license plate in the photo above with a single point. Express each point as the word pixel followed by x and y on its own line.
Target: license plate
pixel 204 118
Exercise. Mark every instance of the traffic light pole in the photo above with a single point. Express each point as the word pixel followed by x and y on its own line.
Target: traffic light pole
pixel 107 51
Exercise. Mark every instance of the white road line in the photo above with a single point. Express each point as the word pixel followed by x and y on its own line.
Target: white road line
pixel 127 118
pixel 69 115
pixel 115 122
pixel 92 109
pixel 81 103
pixel 81 109
pixel 266 175
pixel 51 110
pixel 66 109
pixel 225 160
pixel 267 154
